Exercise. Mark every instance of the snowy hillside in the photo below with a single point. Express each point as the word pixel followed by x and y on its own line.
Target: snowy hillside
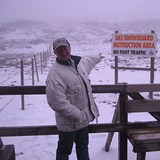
pixel 31 36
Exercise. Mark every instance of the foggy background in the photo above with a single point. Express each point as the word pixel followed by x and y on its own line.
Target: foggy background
pixel 83 10
pixel 31 25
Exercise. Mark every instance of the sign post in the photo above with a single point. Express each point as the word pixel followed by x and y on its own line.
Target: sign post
pixel 134 45
pixel 139 45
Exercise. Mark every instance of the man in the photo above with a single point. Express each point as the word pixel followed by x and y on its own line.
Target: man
pixel 69 94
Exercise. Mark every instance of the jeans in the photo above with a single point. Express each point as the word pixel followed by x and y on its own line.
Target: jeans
pixel 65 144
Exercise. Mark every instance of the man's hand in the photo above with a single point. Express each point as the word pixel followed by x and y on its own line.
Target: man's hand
pixel 100 54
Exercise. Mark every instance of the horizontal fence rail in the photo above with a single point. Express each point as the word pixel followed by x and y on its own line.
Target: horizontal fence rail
pixel 134 68
pixel 18 90
pixel 117 88
pixel 142 88
pixel 52 129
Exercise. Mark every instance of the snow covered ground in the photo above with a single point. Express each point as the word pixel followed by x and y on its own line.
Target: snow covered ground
pixel 37 111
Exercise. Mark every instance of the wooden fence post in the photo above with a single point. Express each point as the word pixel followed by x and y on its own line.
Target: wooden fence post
pixel 22 84
pixel 44 60
pixel 151 75
pixel 41 61
pixel 36 68
pixel 32 72
pixel 116 69
pixel 122 136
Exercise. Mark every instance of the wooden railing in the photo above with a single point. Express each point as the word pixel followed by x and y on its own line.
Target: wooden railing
pixel 47 130
pixel 119 127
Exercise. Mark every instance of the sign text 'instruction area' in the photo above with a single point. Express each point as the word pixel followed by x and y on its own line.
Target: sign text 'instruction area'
pixel 140 45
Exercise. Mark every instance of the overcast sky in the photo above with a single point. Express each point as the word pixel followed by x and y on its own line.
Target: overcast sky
pixel 105 10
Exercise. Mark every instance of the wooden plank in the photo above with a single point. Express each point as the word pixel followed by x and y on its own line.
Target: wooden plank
pixel 141 156
pixel 1 143
pixel 7 153
pixel 146 138
pixel 19 90
pixel 122 145
pixel 116 70
pixel 151 75
pixel 143 130
pixel 52 129
pixel 105 127
pixel 133 68
pixel 117 88
pixel 138 96
pixel 110 134
pixel 156 115
pixel 142 125
pixel 132 88
pixel 146 148
pixel 143 106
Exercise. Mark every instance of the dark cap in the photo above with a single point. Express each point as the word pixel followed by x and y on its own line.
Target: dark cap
pixel 60 42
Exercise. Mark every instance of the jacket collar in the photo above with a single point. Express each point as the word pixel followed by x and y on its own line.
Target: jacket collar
pixel 76 59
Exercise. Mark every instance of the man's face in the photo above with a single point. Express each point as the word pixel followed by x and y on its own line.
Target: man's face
pixel 63 53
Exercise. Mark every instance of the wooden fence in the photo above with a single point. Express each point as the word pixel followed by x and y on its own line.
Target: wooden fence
pixel 119 127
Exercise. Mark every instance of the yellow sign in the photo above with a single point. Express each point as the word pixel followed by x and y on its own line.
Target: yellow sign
pixel 140 45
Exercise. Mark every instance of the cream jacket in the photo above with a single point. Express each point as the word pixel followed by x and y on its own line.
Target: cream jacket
pixel 69 92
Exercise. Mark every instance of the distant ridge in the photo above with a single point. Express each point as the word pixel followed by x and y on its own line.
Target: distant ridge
pixel 29 34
